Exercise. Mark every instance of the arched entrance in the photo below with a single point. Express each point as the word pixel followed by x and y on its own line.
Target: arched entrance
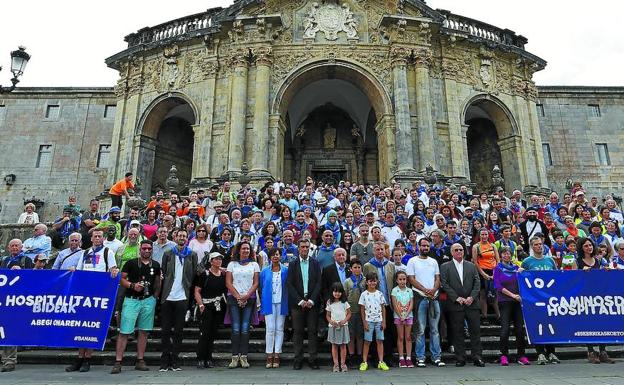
pixel 166 138
pixel 333 115
pixel 492 140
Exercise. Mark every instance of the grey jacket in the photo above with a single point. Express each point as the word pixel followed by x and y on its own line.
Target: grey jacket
pixel 454 289
pixel 168 271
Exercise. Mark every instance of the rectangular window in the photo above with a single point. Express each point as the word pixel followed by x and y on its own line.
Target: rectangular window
pixel 540 110
pixel 547 155
pixel 103 155
pixel 53 111
pixel 44 159
pixel 603 154
pixel 109 111
pixel 594 110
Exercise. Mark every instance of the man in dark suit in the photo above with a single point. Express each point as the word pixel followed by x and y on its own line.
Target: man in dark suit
pixel 337 272
pixel 460 281
pixel 304 298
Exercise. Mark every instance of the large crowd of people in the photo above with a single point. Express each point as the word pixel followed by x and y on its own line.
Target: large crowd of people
pixel 365 268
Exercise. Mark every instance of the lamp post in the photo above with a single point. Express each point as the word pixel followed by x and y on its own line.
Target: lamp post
pixel 19 59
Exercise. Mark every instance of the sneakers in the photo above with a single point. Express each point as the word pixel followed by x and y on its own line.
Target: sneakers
pixel 163 368
pixel 382 366
pixel 402 363
pixel 141 366
pixel 116 368
pixel 409 363
pixel 604 357
pixel 243 362
pixel 8 367
pixel 524 361
pixel 363 366
pixel 344 368
pixel 553 359
pixel 187 316
pixel 234 363
pixel 439 363
pixel 504 361
pixel 336 369
pixel 176 368
pixel 420 363
pixel 541 360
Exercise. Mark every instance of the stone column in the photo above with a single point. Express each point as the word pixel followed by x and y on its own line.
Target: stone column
pixel 423 105
pixel 464 138
pixel 404 150
pixel 260 156
pixel 238 111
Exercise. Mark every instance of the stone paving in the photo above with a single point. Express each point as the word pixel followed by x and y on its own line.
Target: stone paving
pixel 577 372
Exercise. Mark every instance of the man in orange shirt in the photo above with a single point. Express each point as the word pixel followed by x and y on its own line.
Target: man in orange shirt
pixel 120 189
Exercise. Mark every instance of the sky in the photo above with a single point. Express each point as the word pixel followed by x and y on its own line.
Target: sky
pixel 69 39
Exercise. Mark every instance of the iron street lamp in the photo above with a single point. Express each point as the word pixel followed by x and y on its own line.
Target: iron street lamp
pixel 19 59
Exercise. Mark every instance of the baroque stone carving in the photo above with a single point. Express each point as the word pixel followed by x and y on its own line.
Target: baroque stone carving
pixel 263 55
pixel 330 19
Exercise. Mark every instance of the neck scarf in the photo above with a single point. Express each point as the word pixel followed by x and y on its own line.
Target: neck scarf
pixel 15 260
pixel 379 265
pixel 226 245
pixel 357 281
pixel 560 248
pixel 597 240
pixel 508 268
pixel 411 250
pixel 182 254
pixel 335 228
pixel 331 247
pixel 92 256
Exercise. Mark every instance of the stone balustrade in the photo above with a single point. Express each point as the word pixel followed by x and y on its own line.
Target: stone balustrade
pixel 481 30
pixel 171 29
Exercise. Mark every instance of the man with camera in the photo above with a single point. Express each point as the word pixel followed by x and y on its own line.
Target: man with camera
pixel 141 278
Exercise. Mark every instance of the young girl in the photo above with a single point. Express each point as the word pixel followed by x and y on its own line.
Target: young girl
pixel 568 260
pixel 338 313
pixel 403 303
pixel 397 258
pixel 373 312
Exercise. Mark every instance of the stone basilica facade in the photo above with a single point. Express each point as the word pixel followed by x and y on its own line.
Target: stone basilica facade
pixel 365 90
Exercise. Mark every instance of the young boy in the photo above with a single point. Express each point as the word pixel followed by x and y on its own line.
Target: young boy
pixel 373 312
pixel 559 248
pixel 568 260
pixel 354 286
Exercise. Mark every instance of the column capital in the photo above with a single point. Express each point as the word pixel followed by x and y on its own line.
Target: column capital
pixel 399 56
pixel 240 58
pixel 263 56
pixel 422 57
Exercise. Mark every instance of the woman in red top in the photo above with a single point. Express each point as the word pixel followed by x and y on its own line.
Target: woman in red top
pixel 485 257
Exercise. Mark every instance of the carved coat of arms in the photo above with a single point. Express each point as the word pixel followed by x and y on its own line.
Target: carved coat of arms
pixel 330 19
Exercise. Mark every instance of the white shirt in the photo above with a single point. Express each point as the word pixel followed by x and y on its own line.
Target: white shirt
pixel 460 269
pixel 243 275
pixel 98 263
pixel 113 245
pixel 177 290
pixel 424 271
pixel 372 303
pixel 392 234
pixel 276 287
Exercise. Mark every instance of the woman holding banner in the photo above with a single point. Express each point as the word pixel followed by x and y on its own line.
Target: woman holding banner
pixel 587 261
pixel 509 303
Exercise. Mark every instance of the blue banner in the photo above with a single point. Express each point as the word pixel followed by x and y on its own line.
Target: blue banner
pixel 573 307
pixel 55 308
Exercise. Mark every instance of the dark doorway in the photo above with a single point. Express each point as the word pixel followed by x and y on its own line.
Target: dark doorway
pixel 174 147
pixel 483 152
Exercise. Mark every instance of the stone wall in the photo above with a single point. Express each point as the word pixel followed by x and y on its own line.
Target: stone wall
pixel 72 122
pixel 575 120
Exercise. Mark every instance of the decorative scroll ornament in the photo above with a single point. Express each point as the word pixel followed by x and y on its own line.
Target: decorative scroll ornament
pixel 330 19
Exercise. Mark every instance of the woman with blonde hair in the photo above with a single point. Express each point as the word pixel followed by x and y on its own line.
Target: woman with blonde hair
pixel 29 216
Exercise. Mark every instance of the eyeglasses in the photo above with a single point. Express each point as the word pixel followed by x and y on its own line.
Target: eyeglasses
pixel 458 249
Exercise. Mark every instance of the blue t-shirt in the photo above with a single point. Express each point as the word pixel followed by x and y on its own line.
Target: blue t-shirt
pixel 532 263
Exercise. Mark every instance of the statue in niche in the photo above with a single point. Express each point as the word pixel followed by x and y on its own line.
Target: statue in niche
pixel 329 137
pixel 300 131
pixel 355 131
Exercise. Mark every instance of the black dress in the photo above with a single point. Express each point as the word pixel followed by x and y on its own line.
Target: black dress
pixel 212 287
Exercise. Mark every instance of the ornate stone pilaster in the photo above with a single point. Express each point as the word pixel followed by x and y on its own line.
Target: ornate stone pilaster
pixel 422 61
pixel 260 158
pixel 399 57
pixel 239 62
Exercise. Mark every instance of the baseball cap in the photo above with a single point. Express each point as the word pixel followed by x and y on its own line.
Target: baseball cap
pixel 135 222
pixel 114 209
pixel 212 256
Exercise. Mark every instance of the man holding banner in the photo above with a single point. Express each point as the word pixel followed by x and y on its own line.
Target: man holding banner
pixel 15 261
pixel 141 279
pixel 101 259
pixel 538 261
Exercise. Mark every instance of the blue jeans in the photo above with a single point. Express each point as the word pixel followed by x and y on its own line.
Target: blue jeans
pixel 241 318
pixel 423 314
